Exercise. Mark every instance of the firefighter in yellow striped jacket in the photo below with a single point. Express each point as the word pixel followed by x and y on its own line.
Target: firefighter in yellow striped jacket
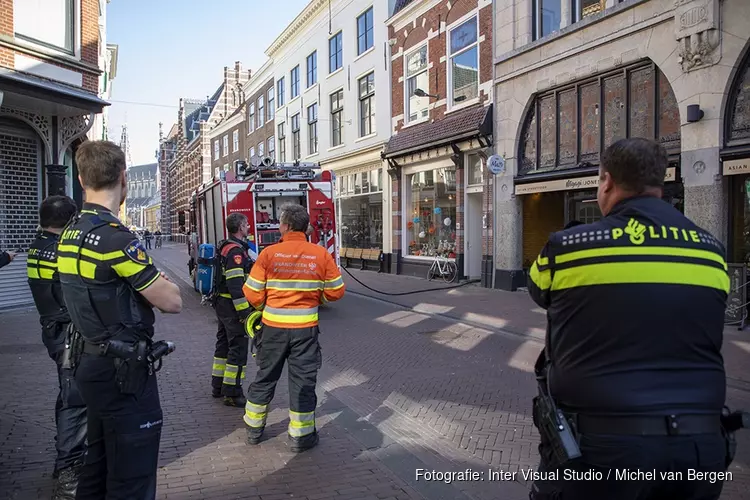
pixel 232 309
pixel 288 283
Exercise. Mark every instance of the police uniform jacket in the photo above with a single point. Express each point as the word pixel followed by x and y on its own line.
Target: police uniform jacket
pixel 103 268
pixel 235 267
pixel 635 304
pixel 44 281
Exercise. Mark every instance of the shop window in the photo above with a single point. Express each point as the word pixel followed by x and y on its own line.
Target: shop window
pixel 431 213
pixel 572 125
pixel 464 62
pixel 360 207
pixel 475 169
pixel 417 77
pixel 740 217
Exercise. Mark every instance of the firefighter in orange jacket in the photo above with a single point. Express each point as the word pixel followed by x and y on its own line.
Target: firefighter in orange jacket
pixel 288 282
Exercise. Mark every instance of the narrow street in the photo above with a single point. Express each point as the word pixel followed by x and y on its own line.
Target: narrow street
pixel 438 381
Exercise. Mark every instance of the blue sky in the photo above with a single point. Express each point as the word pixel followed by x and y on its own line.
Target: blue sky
pixel 178 48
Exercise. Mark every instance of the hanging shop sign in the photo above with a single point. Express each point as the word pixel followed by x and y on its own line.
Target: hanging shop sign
pixel 734 167
pixel 573 184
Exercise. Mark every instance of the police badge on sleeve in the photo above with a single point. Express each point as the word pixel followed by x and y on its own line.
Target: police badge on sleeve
pixel 137 253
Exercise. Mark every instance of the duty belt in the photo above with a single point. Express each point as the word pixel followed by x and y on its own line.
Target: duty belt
pixel 657 425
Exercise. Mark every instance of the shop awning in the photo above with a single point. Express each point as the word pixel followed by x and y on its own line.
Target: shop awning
pixel 46 97
pixel 460 125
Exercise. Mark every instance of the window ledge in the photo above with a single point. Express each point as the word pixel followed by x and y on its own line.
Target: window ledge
pixel 415 122
pixel 459 107
pixel 340 70
pixel 571 28
pixel 293 99
pixel 312 87
pixel 312 156
pixel 370 136
pixel 334 148
pixel 47 54
pixel 363 54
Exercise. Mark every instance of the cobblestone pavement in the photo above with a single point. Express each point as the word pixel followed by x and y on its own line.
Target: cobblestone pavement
pixel 439 380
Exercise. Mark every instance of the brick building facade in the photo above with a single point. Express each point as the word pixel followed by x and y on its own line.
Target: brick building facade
pixel 441 109
pixel 49 79
pixel 228 142
pixel 260 114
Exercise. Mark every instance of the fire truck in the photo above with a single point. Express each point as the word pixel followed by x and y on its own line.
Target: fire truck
pixel 258 191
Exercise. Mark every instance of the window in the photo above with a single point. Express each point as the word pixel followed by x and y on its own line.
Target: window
pixel 282 142
pixel 335 52
pixel 271 109
pixel 261 111
pixel 367 105
pixel 584 8
pixel 261 148
pixel 216 150
pixel 295 137
pixel 546 16
pixel 464 62
pixel 337 115
pixel 271 147
pixel 280 91
pixel 251 118
pixel 56 32
pixel 235 141
pixel 225 145
pixel 251 153
pixel 312 128
pixel 294 76
pixel 417 77
pixel 312 69
pixel 359 200
pixel 365 32
pixel 476 170
pixel 431 207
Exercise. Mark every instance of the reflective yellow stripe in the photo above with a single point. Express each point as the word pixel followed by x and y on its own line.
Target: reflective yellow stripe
pixel 672 273
pixel 255 415
pixel 218 368
pixel 230 374
pixel 301 424
pixel 254 284
pixel 655 251
pixel 34 262
pixel 542 279
pixel 542 261
pixel 334 283
pixel 234 273
pixel 240 304
pixel 308 285
pixel 67 265
pixel 41 273
pixel 128 268
pixel 225 295
pixel 290 316
pixel 90 253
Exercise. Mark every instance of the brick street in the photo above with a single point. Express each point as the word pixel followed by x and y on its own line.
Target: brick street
pixel 440 380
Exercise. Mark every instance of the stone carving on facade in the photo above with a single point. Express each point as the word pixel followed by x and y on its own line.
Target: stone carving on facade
pixel 697 34
pixel 41 124
pixel 70 129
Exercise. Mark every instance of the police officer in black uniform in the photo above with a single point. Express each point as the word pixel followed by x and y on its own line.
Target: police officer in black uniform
pixel 70 411
pixel 635 305
pixel 110 287
pixel 232 309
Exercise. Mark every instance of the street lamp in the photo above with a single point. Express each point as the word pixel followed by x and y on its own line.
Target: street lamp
pixel 422 93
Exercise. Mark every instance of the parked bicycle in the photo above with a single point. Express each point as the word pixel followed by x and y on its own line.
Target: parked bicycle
pixel 444 268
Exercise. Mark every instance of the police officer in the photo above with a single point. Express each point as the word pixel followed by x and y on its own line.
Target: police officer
pixel 635 305
pixel 288 282
pixel 70 411
pixel 230 356
pixel 110 287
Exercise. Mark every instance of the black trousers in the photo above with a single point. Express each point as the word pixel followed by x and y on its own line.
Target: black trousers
pixel 606 454
pixel 70 410
pixel 230 355
pixel 300 348
pixel 124 431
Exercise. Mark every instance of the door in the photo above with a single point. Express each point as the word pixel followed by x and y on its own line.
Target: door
pixel 473 243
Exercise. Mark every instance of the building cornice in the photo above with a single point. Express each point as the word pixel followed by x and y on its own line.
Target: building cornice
pixel 258 79
pixel 227 124
pixel 406 16
pixel 304 18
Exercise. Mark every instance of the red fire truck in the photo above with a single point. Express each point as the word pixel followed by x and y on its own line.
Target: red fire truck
pixel 259 191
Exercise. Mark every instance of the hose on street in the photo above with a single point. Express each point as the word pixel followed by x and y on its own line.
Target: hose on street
pixel 413 291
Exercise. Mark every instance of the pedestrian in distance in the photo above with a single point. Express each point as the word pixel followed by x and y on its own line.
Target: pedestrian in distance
pixel 288 283
pixel 111 286
pixel 70 411
pixel 635 305
pixel 232 309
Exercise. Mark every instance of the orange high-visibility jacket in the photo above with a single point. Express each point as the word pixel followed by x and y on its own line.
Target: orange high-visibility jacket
pixel 290 280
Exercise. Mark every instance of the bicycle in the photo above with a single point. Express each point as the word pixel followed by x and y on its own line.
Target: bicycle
pixel 443 267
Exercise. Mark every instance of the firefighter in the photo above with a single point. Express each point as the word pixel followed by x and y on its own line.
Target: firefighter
pixel 635 305
pixel 232 308
pixel 70 411
pixel 288 282
pixel 110 286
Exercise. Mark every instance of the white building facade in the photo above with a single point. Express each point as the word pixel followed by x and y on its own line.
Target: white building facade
pixel 332 83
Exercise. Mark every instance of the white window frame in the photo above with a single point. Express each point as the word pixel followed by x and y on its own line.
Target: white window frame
pixel 281 127
pixel 360 99
pixel 271 147
pixel 217 149
pixel 280 88
pixel 75 49
pixel 296 139
pixel 251 153
pixel 271 103
pixel 449 57
pixel 407 96
pixel 340 110
pixel 311 71
pixel 294 71
pixel 312 129
pixel 356 29
pixel 261 110
pixel 235 141
pixel 251 118
pixel 225 144
pixel 536 19
pixel 261 148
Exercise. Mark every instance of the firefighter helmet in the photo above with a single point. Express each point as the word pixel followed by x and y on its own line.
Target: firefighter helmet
pixel 252 323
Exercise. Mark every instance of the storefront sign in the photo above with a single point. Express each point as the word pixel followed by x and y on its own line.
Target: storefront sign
pixel 572 184
pixel 734 167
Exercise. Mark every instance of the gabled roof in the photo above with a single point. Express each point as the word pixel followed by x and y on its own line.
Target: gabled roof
pixel 197 111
